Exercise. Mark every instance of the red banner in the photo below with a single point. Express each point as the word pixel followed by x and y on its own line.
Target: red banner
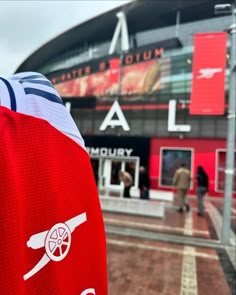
pixel 208 83
pixel 114 70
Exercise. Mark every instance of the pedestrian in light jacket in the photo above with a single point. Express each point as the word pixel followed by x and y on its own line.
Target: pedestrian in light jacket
pixel 181 181
pixel 127 179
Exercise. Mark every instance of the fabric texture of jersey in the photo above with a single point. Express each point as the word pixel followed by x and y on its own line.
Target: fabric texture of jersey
pixel 33 94
pixel 53 237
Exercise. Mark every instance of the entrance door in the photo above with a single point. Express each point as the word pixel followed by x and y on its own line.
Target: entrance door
pixel 108 172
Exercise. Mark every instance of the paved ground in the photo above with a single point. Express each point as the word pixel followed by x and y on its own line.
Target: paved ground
pixel 181 254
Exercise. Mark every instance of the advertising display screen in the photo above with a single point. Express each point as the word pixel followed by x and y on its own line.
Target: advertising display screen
pixel 140 78
pixel 143 75
pixel 171 159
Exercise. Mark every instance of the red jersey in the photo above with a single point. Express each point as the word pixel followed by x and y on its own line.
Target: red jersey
pixel 53 238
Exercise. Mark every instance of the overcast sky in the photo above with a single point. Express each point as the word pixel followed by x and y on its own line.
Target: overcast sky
pixel 27 25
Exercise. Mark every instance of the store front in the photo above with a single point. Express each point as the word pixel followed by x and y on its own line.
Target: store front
pixel 106 172
pixel 112 154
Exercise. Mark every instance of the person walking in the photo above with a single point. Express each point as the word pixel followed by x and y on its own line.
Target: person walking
pixel 181 181
pixel 144 183
pixel 202 188
pixel 127 179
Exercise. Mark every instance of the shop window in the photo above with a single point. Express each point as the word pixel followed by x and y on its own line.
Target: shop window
pixel 115 168
pixel 220 171
pixel 171 159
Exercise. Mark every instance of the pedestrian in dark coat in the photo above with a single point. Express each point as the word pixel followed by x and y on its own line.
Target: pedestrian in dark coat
pixel 144 183
pixel 202 188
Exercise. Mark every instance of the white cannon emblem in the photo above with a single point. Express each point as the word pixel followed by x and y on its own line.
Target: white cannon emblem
pixel 208 72
pixel 57 242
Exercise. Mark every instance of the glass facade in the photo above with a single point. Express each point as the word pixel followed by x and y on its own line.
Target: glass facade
pixel 147 86
pixel 185 33
pixel 142 105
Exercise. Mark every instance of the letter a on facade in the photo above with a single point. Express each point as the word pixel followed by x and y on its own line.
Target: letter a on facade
pixel 121 121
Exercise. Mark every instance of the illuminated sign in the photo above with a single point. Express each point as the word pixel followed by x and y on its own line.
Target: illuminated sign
pixel 102 65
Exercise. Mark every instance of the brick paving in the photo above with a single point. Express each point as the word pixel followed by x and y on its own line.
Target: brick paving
pixel 144 266
pixel 172 223
pixel 219 205
pixel 135 268
pixel 211 279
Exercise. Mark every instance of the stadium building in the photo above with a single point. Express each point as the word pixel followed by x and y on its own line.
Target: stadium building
pixel 137 112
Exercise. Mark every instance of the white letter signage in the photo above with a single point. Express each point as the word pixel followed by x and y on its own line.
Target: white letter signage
pixel 121 121
pixel 172 127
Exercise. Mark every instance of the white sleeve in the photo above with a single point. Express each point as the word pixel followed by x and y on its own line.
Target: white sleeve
pixel 33 94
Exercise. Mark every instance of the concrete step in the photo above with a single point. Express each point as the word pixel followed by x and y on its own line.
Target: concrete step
pixel 133 206
pixel 163 237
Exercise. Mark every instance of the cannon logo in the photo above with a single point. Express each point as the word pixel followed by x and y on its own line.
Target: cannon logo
pixel 57 242
pixel 208 73
pixel 88 291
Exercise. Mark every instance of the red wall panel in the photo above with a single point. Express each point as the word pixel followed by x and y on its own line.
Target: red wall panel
pixel 204 153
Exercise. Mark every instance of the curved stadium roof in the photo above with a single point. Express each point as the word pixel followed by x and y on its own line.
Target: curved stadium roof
pixel 141 15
